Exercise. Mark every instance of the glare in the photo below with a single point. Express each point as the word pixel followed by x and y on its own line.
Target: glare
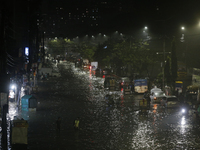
pixel 145 28
pixel 183 28
pixel 13 87
pixel 183 122
pixel 183 125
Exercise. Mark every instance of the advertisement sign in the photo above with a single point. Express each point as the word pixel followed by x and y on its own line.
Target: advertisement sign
pixel 94 65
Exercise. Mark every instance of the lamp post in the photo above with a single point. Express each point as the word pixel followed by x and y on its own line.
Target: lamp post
pixel 182 39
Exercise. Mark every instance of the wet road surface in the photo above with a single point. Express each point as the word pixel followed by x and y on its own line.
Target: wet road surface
pixel 120 126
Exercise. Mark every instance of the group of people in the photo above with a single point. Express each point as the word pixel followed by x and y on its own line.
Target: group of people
pixel 75 124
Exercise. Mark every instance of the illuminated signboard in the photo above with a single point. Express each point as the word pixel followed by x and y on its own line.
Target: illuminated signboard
pixel 26 51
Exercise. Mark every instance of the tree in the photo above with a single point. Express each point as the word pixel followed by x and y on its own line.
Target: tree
pixel 87 51
pixel 174 66
pixel 60 46
pixel 135 55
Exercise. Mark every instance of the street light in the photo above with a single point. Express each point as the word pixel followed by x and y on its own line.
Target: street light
pixel 182 39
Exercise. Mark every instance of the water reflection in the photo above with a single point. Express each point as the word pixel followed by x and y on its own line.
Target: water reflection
pixel 121 126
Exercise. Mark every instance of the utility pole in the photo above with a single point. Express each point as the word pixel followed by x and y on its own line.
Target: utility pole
pixel 163 82
pixel 163 64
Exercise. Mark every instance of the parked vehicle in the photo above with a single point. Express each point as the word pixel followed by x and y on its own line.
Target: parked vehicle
pixel 171 101
pixel 140 85
pixel 55 74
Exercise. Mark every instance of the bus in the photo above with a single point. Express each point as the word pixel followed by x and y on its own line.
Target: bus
pixel 140 85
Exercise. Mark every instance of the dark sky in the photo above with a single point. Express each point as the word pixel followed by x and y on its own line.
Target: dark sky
pixel 137 13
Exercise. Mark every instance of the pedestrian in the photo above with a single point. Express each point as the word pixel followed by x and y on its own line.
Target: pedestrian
pixel 58 123
pixel 148 100
pixel 76 123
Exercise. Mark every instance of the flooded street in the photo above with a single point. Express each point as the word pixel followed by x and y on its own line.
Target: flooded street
pixel 122 125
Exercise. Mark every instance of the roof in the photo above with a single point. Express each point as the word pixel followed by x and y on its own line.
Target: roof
pixel 28 96
pixel 155 89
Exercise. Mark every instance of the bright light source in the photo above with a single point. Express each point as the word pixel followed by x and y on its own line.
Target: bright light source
pixel 12 86
pixel 145 28
pixel 26 51
pixel 183 28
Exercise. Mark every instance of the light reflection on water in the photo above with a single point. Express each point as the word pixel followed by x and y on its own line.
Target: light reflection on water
pixel 124 125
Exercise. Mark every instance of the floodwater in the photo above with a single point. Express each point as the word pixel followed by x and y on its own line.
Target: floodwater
pixel 121 125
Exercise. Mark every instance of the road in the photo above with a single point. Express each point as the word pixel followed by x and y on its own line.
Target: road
pixel 121 126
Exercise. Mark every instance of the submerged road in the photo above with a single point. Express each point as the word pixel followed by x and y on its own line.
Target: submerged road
pixel 120 126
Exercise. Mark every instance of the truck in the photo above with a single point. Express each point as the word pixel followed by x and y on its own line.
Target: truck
pixel 140 85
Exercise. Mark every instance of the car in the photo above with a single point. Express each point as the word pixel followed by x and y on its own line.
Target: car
pixel 125 81
pixel 157 97
pixel 171 101
pixel 55 74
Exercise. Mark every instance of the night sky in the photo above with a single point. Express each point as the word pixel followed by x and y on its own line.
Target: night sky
pixel 131 15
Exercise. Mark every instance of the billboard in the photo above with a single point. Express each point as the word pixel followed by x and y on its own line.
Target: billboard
pixel 94 65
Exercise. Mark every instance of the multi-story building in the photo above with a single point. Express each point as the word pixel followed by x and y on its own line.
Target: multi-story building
pixel 78 18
